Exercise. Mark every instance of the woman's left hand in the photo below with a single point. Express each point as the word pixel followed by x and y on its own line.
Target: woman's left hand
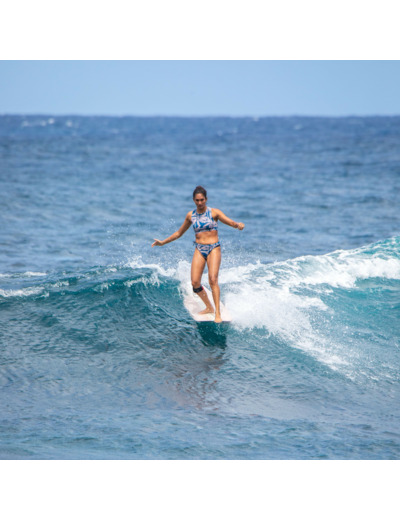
pixel 240 226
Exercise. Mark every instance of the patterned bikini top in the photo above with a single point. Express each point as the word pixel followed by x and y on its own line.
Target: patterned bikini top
pixel 203 221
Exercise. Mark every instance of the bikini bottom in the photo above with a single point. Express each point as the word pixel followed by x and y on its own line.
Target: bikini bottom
pixel 205 249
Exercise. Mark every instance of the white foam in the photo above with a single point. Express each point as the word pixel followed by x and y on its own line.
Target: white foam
pixel 37 123
pixel 103 287
pixel 137 263
pixel 285 297
pixel 283 314
pixel 29 291
pixel 339 269
pixel 152 280
pixel 17 275
pixel 63 283
pixel 275 309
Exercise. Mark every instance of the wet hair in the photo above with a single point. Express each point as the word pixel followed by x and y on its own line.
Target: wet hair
pixel 200 189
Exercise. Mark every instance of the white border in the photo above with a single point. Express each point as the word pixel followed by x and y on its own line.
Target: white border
pixel 211 29
pixel 199 490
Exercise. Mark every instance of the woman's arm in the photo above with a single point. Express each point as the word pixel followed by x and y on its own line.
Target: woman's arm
pixel 218 215
pixel 184 227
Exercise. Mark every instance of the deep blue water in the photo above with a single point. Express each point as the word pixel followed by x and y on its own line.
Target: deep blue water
pixel 99 358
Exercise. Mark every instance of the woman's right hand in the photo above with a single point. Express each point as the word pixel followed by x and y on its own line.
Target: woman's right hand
pixel 157 243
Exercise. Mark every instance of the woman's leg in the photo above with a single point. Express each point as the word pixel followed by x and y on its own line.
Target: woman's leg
pixel 213 263
pixel 198 264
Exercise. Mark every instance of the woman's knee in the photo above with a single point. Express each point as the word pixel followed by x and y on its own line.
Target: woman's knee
pixel 196 282
pixel 213 280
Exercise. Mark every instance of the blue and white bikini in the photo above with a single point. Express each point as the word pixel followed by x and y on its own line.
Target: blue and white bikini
pixel 204 222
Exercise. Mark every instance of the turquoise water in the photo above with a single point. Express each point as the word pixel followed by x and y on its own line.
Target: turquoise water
pixel 99 358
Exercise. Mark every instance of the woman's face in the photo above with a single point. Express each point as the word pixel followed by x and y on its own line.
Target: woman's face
pixel 200 201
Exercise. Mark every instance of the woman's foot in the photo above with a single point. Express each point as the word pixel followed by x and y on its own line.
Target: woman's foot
pixel 218 318
pixel 207 310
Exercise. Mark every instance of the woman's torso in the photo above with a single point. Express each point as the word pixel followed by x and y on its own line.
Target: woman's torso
pixel 205 227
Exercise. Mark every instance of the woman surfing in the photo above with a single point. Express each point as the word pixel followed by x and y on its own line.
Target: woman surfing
pixel 208 248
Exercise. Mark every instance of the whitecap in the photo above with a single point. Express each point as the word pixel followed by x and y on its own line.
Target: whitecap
pixel 137 263
pixel 29 291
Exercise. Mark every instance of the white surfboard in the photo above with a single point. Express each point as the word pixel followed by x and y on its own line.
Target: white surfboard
pixel 194 305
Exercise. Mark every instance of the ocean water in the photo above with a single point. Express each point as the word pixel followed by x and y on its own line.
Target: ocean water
pixel 99 358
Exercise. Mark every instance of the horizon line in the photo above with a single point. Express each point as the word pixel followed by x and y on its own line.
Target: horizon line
pixel 187 116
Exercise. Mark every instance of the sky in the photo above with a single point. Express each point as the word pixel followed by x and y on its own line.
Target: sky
pixel 200 88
